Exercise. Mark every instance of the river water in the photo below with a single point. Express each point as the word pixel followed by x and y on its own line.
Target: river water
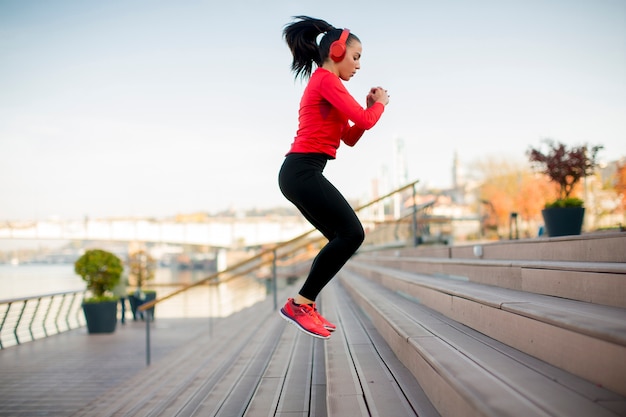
pixel 20 281
pixel 17 281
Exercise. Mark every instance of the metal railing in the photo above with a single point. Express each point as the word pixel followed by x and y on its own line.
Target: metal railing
pixel 30 318
pixel 302 244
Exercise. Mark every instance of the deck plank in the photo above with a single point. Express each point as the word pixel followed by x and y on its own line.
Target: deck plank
pixel 296 395
pixel 232 395
pixel 405 381
pixel 267 394
pixel 381 393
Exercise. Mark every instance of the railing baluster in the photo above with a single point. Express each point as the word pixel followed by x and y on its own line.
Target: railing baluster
pixel 45 317
pixel 19 319
pixel 69 311
pixel 56 317
pixel 4 319
pixel 32 320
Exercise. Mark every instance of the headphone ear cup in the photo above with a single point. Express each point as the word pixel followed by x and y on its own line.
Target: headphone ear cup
pixel 337 51
pixel 338 48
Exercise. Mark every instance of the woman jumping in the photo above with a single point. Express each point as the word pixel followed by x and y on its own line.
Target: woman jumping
pixel 325 109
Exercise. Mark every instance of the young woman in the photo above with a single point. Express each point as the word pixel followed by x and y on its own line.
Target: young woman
pixel 325 109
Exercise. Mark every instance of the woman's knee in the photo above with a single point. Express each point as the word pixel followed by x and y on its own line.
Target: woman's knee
pixel 356 236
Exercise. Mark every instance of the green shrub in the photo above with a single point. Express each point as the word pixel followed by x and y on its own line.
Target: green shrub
pixel 566 202
pixel 101 270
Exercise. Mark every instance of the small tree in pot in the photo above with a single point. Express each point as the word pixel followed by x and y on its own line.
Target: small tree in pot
pixel 102 271
pixel 142 268
pixel 565 167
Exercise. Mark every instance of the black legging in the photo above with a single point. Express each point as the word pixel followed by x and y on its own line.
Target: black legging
pixel 302 181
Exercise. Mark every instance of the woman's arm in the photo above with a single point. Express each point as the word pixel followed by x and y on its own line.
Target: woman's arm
pixel 337 95
pixel 352 134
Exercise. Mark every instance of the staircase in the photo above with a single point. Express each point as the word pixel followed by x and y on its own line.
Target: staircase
pixel 517 328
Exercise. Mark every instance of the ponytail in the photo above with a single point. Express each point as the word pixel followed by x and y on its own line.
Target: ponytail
pixel 301 37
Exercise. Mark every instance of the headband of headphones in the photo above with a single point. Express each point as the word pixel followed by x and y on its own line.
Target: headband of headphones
pixel 338 48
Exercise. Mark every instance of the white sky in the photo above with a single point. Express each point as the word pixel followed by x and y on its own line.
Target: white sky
pixel 152 108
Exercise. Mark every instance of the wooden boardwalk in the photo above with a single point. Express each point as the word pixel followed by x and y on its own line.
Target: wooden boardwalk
pixel 252 363
pixel 478 336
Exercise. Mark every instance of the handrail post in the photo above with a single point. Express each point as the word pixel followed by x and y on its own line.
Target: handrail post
pixel 148 319
pixel 414 220
pixel 274 280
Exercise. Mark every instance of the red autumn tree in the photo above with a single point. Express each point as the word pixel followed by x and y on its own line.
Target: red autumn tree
pixel 564 166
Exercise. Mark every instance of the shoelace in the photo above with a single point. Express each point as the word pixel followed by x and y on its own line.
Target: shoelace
pixel 315 309
pixel 311 312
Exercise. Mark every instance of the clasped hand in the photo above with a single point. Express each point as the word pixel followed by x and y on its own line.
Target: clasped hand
pixel 377 94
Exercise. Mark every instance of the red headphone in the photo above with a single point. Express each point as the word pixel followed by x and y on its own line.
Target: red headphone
pixel 338 48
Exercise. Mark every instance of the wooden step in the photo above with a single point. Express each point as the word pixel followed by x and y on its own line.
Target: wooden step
pixel 586 339
pixel 594 282
pixel 464 372
pixel 589 247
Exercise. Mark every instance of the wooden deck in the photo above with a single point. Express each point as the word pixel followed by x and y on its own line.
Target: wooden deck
pixel 255 364
pixel 464 340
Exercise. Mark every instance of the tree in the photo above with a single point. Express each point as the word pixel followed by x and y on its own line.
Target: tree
pixel 142 267
pixel 532 195
pixel 510 186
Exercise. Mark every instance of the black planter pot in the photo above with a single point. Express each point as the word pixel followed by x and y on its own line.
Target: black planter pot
pixel 101 317
pixel 136 302
pixel 563 221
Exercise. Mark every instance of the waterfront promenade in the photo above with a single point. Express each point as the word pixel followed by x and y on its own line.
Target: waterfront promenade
pixel 252 353
pixel 58 375
pixel 533 327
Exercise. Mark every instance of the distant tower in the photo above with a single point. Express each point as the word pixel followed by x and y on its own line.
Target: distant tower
pixel 401 174
pixel 458 188
pixel 455 171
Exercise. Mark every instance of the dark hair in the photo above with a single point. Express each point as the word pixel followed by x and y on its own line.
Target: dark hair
pixel 301 37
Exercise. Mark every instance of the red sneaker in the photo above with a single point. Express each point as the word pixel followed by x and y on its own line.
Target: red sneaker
pixel 305 319
pixel 327 325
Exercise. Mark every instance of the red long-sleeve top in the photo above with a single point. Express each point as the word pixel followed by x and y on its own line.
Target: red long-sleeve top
pixel 325 108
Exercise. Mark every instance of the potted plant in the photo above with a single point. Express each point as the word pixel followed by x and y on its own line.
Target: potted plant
pixel 141 269
pixel 102 271
pixel 565 167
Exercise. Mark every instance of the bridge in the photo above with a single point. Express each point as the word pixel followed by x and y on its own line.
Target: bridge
pixel 218 232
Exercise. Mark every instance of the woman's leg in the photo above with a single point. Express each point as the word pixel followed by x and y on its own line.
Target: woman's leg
pixel 303 183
